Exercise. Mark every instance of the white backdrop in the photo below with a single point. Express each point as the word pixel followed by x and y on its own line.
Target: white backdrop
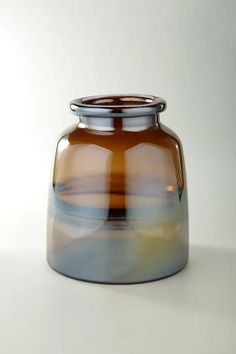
pixel 54 51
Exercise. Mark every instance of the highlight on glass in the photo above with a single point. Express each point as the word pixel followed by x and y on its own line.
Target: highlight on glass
pixel 118 208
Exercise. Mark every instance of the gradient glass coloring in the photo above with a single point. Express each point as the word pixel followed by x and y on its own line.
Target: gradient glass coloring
pixel 118 200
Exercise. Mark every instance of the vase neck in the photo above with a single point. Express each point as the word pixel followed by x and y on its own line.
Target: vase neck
pixel 134 124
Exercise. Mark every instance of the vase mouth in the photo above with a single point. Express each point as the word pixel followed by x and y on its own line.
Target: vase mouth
pixel 124 105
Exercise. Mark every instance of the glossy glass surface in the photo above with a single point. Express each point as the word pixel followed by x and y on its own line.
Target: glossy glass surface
pixel 118 199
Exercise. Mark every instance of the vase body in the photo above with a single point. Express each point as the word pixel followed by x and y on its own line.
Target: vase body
pixel 118 197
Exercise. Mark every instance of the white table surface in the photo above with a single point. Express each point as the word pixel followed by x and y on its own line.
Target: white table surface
pixel 43 312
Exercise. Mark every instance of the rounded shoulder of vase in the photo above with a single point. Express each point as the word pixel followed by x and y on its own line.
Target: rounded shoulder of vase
pixel 168 133
pixel 159 135
pixel 72 134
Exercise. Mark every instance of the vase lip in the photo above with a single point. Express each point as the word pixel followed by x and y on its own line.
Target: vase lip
pixel 118 105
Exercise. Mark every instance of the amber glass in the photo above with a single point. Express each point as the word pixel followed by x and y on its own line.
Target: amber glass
pixel 118 197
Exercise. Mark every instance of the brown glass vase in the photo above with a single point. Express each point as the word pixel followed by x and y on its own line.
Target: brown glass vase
pixel 118 198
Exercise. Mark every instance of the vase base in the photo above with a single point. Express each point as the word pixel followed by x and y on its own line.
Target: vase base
pixel 119 283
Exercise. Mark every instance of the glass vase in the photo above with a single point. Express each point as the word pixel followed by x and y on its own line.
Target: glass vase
pixel 118 196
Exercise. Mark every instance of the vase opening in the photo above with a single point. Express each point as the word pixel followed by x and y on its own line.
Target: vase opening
pixel 117 105
pixel 118 100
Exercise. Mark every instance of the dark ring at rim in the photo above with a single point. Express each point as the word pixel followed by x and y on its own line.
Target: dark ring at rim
pixel 117 105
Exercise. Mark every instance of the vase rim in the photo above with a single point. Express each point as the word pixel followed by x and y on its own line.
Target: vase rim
pixel 118 105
